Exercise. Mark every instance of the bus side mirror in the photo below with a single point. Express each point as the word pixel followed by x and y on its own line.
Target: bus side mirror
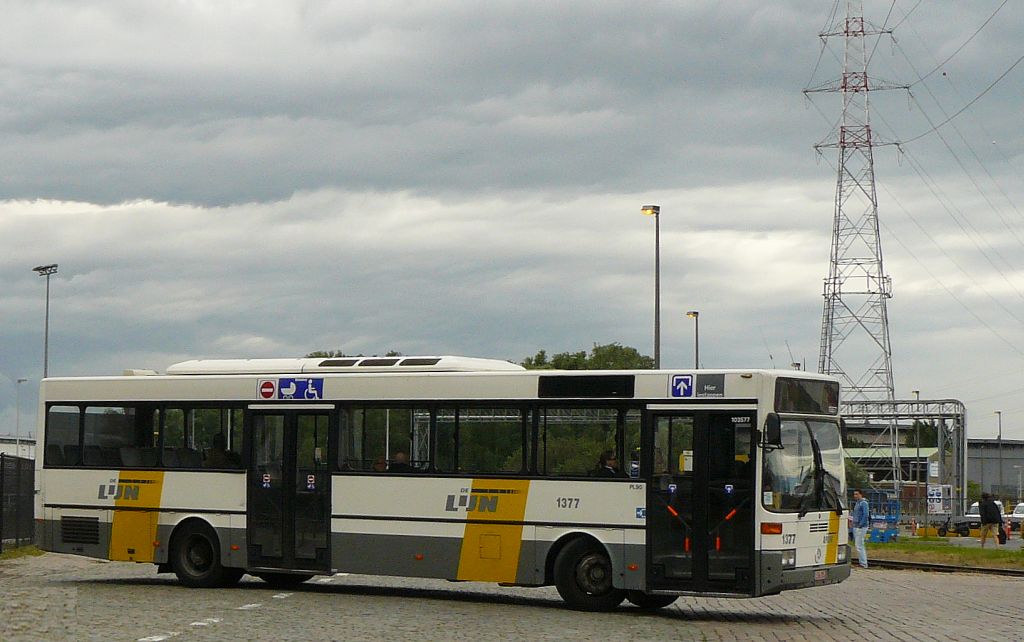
pixel 773 431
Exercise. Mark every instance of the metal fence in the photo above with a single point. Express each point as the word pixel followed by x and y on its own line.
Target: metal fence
pixel 17 476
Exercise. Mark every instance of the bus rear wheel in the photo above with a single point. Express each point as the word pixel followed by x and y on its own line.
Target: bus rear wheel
pixel 648 601
pixel 583 577
pixel 195 558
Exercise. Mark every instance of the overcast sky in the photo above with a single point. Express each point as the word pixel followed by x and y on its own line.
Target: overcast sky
pixel 264 179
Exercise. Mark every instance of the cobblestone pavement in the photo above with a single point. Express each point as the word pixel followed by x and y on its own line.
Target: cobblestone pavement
pixel 60 597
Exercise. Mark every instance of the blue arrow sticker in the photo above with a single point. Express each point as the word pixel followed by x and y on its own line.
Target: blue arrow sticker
pixel 682 385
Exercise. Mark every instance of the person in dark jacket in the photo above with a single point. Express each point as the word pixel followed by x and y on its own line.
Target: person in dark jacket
pixel 991 518
pixel 400 464
pixel 608 465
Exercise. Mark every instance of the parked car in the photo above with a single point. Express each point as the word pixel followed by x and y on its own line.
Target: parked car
pixel 1016 517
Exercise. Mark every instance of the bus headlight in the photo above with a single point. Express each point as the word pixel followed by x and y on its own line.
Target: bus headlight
pixel 789 558
pixel 841 554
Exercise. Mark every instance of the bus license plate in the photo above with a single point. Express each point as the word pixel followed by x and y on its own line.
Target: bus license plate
pixel 820 576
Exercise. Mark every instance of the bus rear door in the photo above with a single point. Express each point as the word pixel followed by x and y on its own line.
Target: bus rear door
pixel 700 500
pixel 289 490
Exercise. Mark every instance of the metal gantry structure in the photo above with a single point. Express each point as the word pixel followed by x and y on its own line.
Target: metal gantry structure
pixel 949 417
pixel 855 346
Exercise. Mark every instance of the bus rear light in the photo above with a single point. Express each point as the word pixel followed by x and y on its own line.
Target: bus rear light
pixel 718 543
pixel 673 511
pixel 789 558
pixel 771 528
pixel 235 547
pixel 156 544
pixel 633 567
pixel 731 514
pixel 686 544
pixel 418 557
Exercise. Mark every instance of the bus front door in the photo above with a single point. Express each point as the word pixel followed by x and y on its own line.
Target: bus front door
pixel 700 501
pixel 289 494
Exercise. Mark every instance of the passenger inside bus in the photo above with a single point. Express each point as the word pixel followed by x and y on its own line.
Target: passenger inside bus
pixel 217 456
pixel 608 466
pixel 400 464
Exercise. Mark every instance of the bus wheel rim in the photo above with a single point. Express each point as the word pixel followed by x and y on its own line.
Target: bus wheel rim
pixel 593 574
pixel 199 554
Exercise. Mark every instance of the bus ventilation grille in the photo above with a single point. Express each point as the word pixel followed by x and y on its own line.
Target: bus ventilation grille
pixel 819 527
pixel 80 530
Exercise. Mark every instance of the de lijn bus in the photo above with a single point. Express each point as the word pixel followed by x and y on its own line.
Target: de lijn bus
pixel 609 485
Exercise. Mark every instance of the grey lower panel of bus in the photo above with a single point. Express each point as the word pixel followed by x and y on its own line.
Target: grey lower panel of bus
pixel 438 557
pixel 772 578
pixel 428 557
pixel 89 537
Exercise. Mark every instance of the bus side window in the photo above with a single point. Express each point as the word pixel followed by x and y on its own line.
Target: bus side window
pixel 113 430
pixel 61 436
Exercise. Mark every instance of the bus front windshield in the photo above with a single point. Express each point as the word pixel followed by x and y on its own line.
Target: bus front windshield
pixel 807 472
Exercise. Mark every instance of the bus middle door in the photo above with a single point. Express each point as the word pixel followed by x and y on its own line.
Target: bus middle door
pixel 289 490
pixel 700 502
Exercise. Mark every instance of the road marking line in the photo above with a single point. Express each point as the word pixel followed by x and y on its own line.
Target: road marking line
pixel 324 580
pixel 248 607
pixel 207 622
pixel 160 637
pixel 281 596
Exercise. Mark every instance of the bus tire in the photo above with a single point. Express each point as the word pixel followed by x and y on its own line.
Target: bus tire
pixel 942 531
pixel 964 531
pixel 648 601
pixel 583 577
pixel 195 557
pixel 284 580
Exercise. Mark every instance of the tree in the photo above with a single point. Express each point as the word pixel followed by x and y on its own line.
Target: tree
pixel 611 356
pixel 321 354
pixel 929 435
pixel 856 476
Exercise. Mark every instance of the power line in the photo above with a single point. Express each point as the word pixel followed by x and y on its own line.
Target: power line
pixel 968 105
pixel 939 281
pixel 960 48
pixel 963 139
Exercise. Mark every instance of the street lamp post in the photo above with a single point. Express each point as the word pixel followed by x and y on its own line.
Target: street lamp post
pixel 47 271
pixel 999 416
pixel 655 211
pixel 1018 482
pixel 17 417
pixel 695 315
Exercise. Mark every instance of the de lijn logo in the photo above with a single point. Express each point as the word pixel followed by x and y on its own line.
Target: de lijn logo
pixel 122 489
pixel 477 500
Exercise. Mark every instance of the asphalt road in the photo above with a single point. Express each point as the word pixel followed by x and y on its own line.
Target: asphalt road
pixel 59 597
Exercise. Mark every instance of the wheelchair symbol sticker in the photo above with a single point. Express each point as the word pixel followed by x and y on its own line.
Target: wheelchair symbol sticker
pixel 306 388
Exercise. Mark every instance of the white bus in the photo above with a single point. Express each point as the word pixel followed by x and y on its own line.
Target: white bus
pixel 638 485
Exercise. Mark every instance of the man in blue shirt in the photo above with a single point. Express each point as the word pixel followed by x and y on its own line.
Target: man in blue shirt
pixel 859 521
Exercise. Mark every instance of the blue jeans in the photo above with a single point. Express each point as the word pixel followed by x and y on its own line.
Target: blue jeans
pixel 858 539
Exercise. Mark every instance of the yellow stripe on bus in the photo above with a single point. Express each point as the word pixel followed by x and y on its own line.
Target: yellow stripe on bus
pixel 490 552
pixel 133 531
pixel 832 551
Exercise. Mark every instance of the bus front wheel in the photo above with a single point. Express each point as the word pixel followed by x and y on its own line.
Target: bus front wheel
pixel 583 577
pixel 195 558
pixel 648 601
